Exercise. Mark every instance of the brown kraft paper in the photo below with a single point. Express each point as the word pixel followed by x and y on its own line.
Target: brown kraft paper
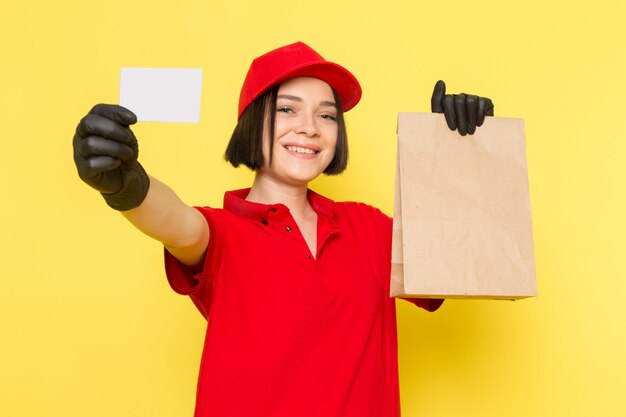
pixel 462 221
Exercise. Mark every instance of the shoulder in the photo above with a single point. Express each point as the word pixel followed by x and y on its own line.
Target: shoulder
pixel 353 208
pixel 220 218
pixel 346 211
pixel 362 218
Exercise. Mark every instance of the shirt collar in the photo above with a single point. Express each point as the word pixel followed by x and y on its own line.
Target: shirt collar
pixel 235 202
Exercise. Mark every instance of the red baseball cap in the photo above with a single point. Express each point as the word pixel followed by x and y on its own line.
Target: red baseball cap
pixel 297 60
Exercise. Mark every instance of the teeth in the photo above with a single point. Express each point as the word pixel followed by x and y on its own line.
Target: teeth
pixel 300 150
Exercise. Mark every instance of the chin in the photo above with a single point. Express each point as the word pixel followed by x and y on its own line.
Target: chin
pixel 302 179
pixel 301 174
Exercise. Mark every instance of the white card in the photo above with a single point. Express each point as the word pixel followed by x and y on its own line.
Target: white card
pixel 162 94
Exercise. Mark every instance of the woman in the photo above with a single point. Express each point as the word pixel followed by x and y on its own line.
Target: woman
pixel 295 287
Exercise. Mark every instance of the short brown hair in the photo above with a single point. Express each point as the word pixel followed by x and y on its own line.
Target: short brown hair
pixel 246 143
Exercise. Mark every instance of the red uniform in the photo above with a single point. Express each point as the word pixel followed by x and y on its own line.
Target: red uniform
pixel 289 333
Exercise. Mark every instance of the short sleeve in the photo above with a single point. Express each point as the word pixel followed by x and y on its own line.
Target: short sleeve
pixel 196 281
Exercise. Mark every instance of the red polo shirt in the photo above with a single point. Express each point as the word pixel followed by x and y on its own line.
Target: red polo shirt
pixel 289 333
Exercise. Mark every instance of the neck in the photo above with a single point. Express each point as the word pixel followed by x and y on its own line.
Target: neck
pixel 266 191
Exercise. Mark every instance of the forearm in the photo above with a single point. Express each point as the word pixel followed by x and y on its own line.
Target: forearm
pixel 163 216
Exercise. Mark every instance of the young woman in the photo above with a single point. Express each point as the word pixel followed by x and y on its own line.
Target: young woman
pixel 294 286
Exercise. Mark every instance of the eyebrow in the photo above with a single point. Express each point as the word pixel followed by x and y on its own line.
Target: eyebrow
pixel 299 99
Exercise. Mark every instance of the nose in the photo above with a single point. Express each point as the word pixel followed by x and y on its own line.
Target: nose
pixel 308 125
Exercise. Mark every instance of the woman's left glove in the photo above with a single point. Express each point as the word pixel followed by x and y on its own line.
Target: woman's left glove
pixel 462 111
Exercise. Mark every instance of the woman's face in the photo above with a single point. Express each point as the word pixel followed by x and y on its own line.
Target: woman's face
pixel 305 132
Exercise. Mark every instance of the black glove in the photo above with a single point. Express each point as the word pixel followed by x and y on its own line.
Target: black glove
pixel 462 111
pixel 105 153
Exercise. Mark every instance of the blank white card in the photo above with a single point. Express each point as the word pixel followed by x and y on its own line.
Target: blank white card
pixel 162 94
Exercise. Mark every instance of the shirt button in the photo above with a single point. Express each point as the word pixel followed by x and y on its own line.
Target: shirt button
pixel 264 221
pixel 308 256
pixel 273 209
pixel 288 229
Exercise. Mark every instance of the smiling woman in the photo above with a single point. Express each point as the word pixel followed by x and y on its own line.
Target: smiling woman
pixel 252 133
pixel 294 286
pixel 258 123
pixel 305 130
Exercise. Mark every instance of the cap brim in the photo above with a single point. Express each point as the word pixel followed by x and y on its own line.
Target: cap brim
pixel 340 79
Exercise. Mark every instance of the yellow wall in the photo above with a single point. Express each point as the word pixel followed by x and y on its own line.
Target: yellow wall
pixel 88 324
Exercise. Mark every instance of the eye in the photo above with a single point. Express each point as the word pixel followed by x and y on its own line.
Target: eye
pixel 329 117
pixel 284 109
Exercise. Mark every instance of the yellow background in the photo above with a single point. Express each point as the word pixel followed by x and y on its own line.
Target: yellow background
pixel 88 324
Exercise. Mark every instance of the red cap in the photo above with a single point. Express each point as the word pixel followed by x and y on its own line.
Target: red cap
pixel 297 60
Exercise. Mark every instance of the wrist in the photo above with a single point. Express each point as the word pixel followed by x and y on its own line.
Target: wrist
pixel 133 191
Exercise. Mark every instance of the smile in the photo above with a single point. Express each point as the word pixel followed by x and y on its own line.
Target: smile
pixel 299 149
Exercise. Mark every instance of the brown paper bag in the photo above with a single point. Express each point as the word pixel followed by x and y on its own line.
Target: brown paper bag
pixel 462 224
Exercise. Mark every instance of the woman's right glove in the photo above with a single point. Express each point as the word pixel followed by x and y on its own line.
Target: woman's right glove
pixel 105 153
